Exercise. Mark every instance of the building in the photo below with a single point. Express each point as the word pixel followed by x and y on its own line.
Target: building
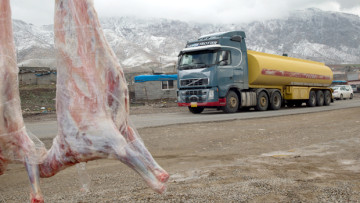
pixel 353 78
pixel 347 74
pixel 36 76
pixel 155 87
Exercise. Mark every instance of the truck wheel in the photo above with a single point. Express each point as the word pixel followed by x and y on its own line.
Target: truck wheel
pixel 275 101
pixel 312 99
pixel 232 102
pixel 327 97
pixel 319 98
pixel 262 102
pixel 196 110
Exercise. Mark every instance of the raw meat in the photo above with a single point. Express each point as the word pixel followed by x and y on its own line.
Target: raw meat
pixel 15 144
pixel 92 99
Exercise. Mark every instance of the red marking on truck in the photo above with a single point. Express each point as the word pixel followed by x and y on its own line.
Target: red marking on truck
pixel 294 74
pixel 220 102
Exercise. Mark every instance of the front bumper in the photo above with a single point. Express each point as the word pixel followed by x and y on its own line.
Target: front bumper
pixel 220 102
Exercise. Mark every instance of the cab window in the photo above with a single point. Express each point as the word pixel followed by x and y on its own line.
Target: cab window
pixel 224 58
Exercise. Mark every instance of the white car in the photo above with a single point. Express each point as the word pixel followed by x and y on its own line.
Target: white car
pixel 342 92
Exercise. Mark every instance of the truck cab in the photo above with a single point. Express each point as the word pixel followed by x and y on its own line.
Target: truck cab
pixel 209 67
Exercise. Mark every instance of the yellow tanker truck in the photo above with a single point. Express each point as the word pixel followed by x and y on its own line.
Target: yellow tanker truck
pixel 217 71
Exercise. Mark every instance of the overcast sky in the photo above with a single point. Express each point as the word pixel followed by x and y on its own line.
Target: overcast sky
pixel 40 12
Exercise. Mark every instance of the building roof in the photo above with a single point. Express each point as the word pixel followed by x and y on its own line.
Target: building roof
pixel 146 78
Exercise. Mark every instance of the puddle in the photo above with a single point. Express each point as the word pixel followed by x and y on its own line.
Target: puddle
pixel 347 162
pixel 279 154
pixel 189 175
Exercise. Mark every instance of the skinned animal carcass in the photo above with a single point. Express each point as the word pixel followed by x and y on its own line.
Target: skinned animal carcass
pixel 92 99
pixel 15 143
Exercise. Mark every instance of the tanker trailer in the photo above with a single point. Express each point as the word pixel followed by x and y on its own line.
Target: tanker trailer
pixel 301 81
pixel 217 71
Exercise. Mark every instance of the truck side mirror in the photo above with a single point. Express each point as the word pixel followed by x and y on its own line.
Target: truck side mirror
pixel 236 38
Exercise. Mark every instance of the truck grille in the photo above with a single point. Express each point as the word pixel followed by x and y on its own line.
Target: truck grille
pixel 195 82
pixel 195 96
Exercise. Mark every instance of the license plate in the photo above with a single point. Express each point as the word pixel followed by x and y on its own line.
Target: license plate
pixel 194 104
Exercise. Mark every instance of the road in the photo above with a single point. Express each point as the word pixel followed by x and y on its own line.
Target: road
pixel 48 129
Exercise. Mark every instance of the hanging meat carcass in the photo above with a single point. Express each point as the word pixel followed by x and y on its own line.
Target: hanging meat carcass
pixel 92 99
pixel 15 143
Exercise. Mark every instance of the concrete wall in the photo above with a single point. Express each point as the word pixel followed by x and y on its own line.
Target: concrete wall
pixel 152 91
pixel 138 91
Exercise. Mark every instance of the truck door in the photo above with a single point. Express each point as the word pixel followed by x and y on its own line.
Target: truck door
pixel 230 71
pixel 238 68
pixel 225 71
pixel 231 60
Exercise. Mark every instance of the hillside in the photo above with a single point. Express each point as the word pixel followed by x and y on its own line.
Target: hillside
pixel 141 45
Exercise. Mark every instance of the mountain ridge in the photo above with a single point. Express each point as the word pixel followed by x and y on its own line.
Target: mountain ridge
pixel 142 45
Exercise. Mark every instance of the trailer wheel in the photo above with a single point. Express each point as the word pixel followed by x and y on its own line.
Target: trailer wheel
pixel 327 97
pixel 262 101
pixel 196 110
pixel 232 102
pixel 319 98
pixel 312 99
pixel 275 101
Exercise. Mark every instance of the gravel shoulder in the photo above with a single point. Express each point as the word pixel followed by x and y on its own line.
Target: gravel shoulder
pixel 312 157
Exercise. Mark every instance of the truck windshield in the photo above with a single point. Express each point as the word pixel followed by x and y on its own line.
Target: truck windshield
pixel 195 60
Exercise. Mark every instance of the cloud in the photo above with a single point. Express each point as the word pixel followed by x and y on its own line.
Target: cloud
pixel 38 12
pixel 206 11
pixel 348 4
pixel 219 11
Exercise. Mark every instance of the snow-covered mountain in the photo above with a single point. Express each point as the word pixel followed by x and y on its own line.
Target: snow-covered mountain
pixel 34 45
pixel 329 37
pixel 142 45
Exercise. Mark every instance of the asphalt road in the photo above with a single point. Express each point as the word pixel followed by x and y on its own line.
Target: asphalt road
pixel 48 129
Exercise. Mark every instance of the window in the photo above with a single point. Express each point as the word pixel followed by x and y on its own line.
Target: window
pixel 224 58
pixel 197 60
pixel 167 85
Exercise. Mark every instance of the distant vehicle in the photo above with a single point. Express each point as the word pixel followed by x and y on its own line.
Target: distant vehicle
pixel 339 82
pixel 355 88
pixel 342 92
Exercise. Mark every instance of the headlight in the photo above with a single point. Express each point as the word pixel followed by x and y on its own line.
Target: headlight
pixel 211 94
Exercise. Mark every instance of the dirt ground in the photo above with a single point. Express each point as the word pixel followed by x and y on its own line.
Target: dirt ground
pixel 299 158
pixel 38 102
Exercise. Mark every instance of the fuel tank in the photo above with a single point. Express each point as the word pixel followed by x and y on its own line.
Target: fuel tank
pixel 273 70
